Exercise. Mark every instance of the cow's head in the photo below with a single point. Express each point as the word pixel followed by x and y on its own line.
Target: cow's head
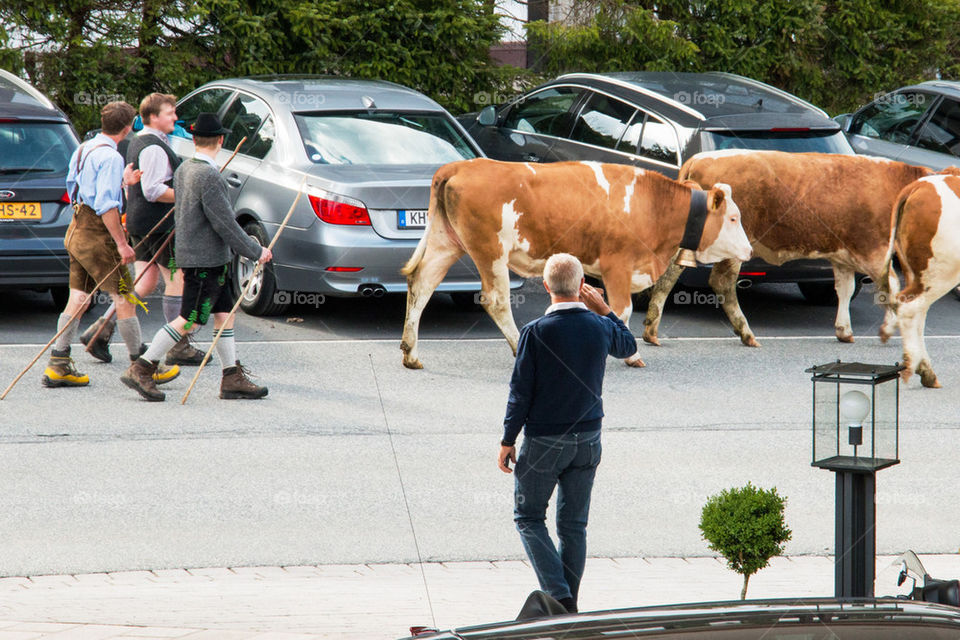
pixel 723 235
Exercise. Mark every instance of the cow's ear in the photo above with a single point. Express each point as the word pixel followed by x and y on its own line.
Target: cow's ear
pixel 716 198
pixel 717 195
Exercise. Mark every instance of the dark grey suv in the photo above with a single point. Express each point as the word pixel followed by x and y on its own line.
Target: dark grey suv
pixel 657 120
pixel 36 142
pixel 919 125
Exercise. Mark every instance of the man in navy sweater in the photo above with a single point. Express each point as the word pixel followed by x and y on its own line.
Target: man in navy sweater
pixel 555 398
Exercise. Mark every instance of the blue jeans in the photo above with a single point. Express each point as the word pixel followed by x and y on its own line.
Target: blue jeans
pixel 545 462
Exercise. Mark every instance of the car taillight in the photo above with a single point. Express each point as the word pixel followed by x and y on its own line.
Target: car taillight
pixel 65 198
pixel 753 273
pixel 340 210
pixel 344 269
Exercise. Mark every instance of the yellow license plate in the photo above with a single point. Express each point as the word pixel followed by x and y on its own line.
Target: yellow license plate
pixel 20 211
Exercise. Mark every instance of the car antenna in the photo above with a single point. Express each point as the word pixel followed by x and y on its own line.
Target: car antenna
pixel 403 492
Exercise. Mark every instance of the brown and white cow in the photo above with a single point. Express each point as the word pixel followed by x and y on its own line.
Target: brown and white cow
pixel 799 205
pixel 623 223
pixel 925 235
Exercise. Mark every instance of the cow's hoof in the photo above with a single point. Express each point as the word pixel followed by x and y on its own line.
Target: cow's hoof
pixel 412 364
pixel 905 374
pixel 634 362
pixel 650 337
pixel 884 336
pixel 845 337
pixel 927 377
pixel 750 341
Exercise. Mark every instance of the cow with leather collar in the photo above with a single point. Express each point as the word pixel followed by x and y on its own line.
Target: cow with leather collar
pixel 623 223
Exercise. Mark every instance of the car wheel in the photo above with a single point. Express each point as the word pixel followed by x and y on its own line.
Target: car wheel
pixel 466 300
pixel 261 298
pixel 60 296
pixel 824 293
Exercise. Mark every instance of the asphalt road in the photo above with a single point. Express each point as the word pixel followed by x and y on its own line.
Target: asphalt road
pixel 322 470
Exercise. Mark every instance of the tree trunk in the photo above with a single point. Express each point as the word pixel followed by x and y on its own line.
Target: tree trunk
pixel 743 592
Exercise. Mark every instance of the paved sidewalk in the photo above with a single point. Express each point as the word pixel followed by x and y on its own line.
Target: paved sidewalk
pixel 374 601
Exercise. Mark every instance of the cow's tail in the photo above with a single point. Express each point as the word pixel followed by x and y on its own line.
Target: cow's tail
pixel 436 215
pixel 885 296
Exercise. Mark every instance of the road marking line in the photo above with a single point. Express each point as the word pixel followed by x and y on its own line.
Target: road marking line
pixel 397 340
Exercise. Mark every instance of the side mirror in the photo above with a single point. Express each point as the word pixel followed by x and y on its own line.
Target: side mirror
pixel 488 116
pixel 844 120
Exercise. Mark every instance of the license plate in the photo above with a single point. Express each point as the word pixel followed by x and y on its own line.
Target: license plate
pixel 20 211
pixel 411 218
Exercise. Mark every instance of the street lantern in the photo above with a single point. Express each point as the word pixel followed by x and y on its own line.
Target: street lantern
pixel 855 434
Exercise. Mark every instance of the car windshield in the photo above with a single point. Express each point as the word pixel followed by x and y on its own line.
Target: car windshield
pixel 384 138
pixel 795 142
pixel 35 147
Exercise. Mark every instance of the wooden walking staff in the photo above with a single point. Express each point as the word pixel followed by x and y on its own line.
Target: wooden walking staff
pixel 74 317
pixel 112 312
pixel 236 305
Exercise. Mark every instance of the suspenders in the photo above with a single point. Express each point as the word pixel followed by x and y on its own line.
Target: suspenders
pixel 81 159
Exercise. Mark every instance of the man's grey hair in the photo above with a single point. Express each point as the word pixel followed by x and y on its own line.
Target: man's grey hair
pixel 563 273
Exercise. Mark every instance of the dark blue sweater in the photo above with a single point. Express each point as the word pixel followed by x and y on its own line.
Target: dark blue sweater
pixel 558 375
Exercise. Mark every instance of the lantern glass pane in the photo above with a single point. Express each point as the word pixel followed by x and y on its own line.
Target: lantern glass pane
pixel 885 420
pixel 825 439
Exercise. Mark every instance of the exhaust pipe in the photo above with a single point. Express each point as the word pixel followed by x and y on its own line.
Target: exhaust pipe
pixel 744 284
pixel 371 290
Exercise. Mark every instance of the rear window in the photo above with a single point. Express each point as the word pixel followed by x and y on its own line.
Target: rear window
pixel 384 138
pixel 35 148
pixel 798 142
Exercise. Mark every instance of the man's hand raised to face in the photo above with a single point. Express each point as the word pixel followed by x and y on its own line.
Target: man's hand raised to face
pixel 593 298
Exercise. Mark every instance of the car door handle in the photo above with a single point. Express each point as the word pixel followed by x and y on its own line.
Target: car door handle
pixel 234 180
pixel 531 157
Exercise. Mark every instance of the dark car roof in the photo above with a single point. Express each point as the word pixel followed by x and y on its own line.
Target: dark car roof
pixel 19 100
pixel 713 100
pixel 705 617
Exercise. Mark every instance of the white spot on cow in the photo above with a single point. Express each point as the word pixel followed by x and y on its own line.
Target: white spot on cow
pixel 532 170
pixel 507 234
pixel 640 281
pixel 725 153
pixel 515 249
pixel 628 195
pixel 946 241
pixel 598 171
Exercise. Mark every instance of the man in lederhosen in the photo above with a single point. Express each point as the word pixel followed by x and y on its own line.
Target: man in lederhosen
pixel 148 202
pixel 207 231
pixel 96 243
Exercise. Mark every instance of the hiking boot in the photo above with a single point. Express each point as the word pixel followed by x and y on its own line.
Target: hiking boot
pixel 236 385
pixel 139 377
pixel 164 374
pixel 184 353
pixel 100 349
pixel 61 372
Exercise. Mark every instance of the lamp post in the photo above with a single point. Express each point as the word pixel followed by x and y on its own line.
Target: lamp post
pixel 855 434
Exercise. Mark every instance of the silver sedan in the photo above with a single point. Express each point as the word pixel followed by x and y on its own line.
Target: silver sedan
pixel 369 150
